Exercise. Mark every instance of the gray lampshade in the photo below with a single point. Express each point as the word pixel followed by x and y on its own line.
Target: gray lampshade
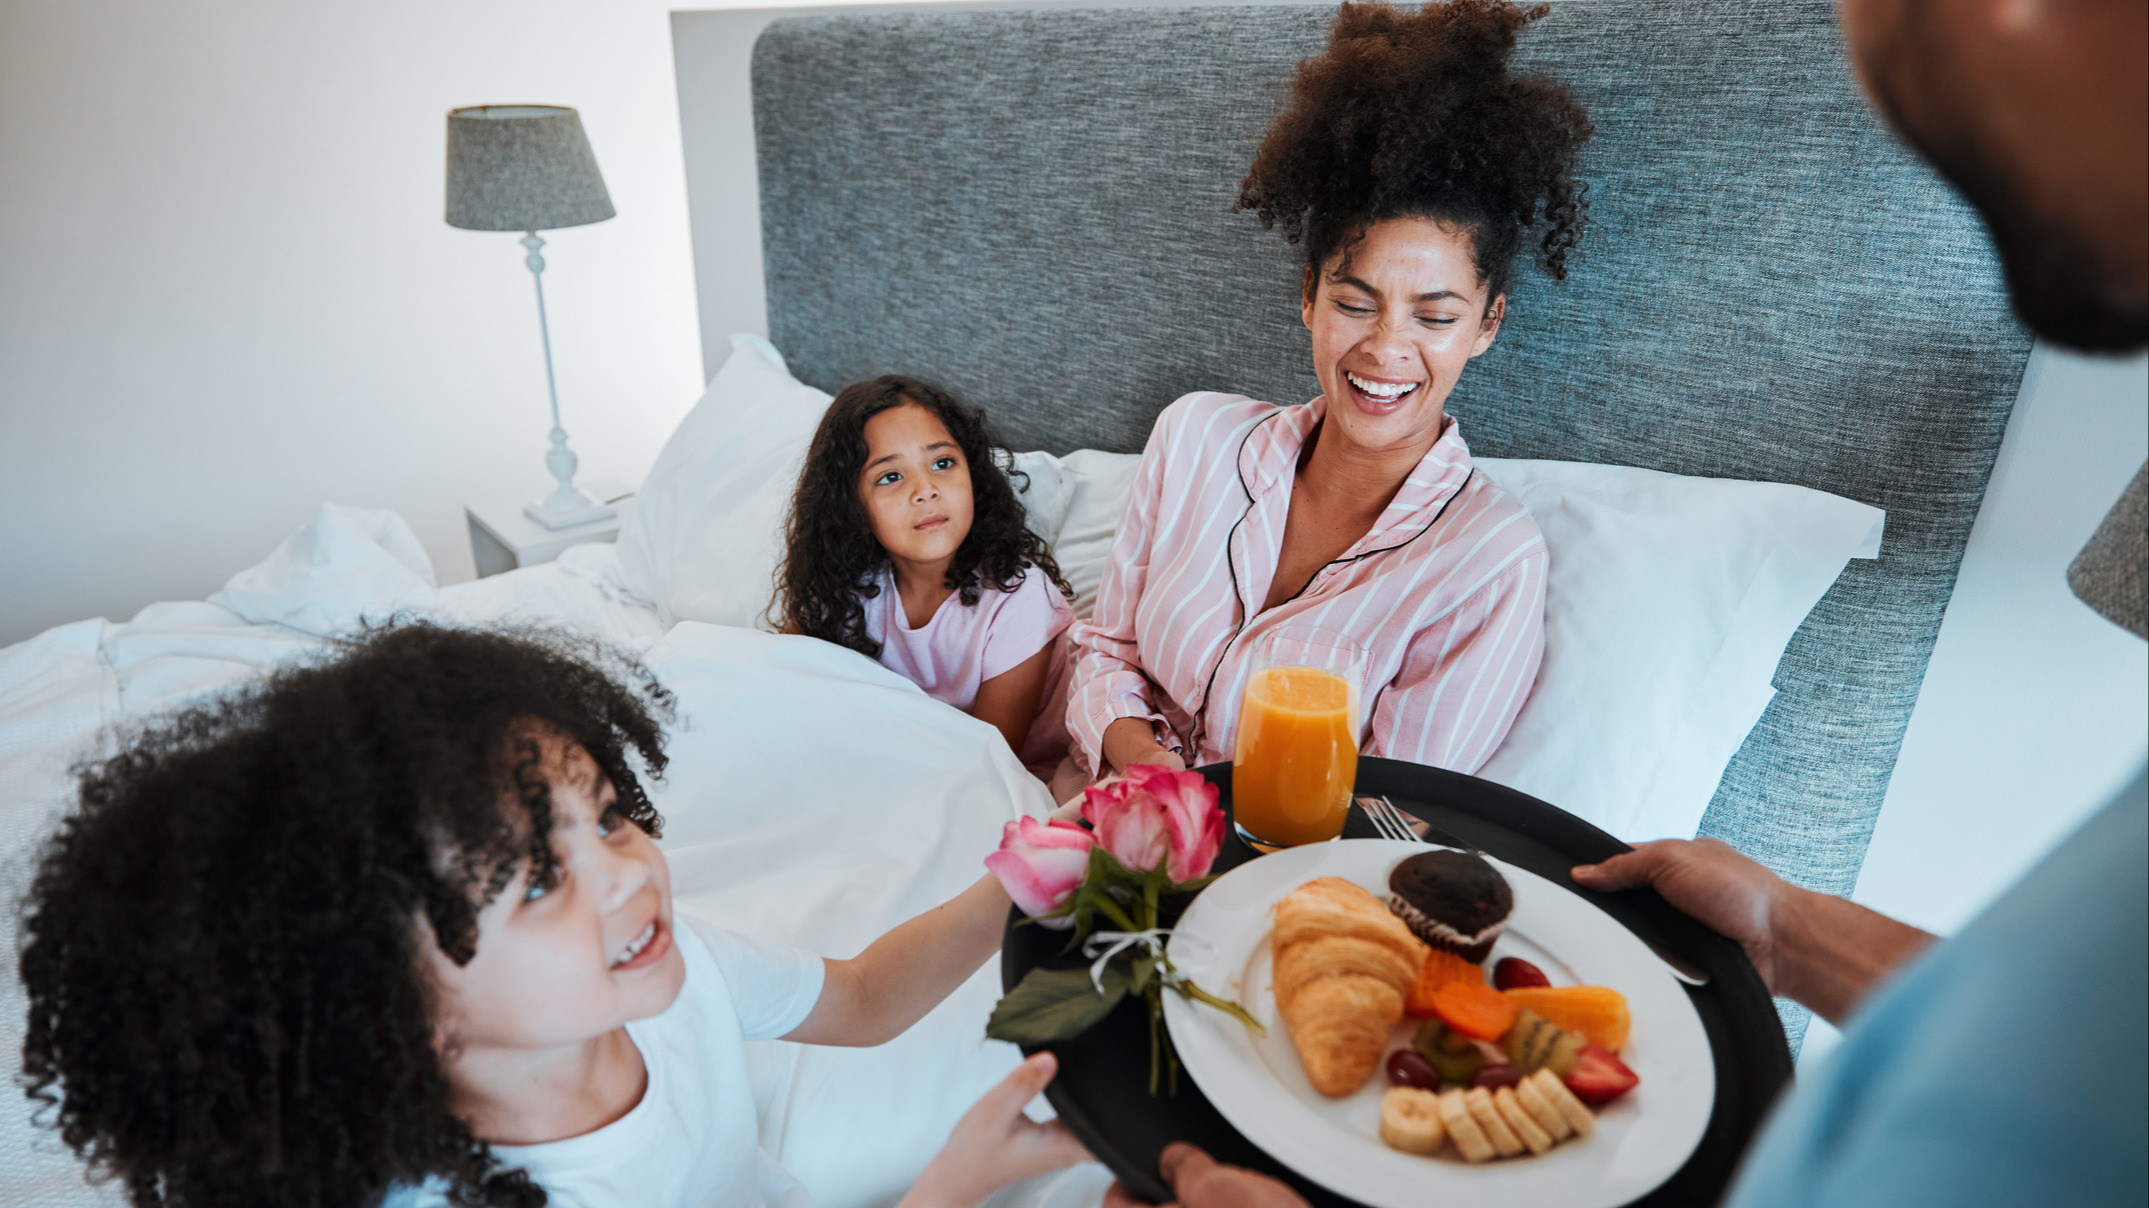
pixel 522 168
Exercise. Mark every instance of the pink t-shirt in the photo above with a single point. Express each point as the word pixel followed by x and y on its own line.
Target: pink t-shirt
pixel 961 647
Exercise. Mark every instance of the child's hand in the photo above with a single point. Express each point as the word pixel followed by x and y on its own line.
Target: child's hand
pixel 994 1144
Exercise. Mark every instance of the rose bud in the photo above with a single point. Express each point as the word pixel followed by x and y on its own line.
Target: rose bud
pixel 1040 864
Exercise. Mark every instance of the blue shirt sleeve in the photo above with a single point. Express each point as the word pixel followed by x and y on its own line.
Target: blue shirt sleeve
pixel 2008 1065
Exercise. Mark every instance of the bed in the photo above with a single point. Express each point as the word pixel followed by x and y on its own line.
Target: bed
pixel 1739 188
pixel 825 855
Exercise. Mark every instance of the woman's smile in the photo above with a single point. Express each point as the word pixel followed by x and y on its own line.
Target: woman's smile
pixel 1379 395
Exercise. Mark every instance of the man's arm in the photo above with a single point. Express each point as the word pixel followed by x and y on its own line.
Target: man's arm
pixel 873 997
pixel 1822 951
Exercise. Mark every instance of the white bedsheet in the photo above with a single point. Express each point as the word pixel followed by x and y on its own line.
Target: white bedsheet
pixel 814 798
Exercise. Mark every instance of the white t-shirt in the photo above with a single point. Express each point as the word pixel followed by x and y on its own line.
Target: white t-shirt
pixel 693 1141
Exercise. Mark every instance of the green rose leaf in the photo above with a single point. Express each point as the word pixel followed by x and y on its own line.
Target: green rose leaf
pixel 1055 1004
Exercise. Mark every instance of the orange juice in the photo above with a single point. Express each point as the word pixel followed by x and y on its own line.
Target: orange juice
pixel 1296 757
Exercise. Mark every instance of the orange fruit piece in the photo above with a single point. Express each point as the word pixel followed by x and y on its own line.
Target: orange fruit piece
pixel 1440 968
pixel 1475 1009
pixel 1598 1014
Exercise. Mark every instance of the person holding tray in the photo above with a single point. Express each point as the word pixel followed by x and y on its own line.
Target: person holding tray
pixel 2005 1065
pixel 1412 167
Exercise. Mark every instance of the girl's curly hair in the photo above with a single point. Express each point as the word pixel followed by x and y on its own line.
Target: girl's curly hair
pixel 221 944
pixel 831 557
pixel 1414 113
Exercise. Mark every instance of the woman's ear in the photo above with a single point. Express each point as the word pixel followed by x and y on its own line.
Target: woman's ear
pixel 1306 289
pixel 1489 326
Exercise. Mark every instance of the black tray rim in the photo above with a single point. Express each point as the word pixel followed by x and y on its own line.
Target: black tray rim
pixel 1753 1058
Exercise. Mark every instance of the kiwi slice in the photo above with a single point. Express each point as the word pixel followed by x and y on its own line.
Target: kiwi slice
pixel 1455 1055
pixel 1533 1043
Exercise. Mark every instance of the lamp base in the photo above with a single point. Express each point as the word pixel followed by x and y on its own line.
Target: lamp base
pixel 590 512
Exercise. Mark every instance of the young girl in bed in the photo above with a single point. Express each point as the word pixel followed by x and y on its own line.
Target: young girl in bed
pixel 906 543
pixel 393 930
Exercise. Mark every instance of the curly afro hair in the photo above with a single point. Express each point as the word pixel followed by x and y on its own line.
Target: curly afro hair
pixel 830 554
pixel 1415 114
pixel 220 944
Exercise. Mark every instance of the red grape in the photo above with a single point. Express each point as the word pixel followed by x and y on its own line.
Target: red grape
pixel 1493 1077
pixel 1406 1067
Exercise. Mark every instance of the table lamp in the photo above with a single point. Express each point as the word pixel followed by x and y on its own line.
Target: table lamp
pixel 529 168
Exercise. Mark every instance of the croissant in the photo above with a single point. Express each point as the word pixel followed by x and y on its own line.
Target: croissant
pixel 1343 966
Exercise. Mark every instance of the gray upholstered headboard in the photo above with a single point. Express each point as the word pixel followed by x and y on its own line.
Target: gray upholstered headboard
pixel 1035 207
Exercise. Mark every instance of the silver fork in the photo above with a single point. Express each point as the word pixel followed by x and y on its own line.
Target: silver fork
pixel 1393 823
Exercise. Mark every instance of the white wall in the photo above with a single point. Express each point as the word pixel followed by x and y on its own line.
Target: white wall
pixel 229 295
pixel 2035 709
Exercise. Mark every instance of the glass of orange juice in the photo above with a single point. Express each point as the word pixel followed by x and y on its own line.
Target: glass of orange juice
pixel 1297 749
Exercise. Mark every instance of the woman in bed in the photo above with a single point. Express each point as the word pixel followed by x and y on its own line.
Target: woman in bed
pixel 1411 166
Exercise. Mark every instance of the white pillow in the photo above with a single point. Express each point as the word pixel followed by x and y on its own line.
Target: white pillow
pixel 1042 488
pixel 1670 602
pixel 351 566
pixel 706 531
pixel 1074 503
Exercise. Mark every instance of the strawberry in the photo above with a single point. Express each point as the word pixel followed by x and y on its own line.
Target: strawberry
pixel 1513 972
pixel 1599 1076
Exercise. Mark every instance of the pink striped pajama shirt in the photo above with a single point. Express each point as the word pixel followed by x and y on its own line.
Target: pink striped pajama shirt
pixel 1446 592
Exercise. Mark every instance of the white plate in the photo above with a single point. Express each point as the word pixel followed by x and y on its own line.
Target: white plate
pixel 1641 1139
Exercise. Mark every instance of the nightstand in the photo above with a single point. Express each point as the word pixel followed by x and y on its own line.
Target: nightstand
pixel 502 538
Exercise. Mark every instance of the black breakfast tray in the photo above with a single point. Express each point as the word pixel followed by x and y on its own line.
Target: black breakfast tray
pixel 1102 1090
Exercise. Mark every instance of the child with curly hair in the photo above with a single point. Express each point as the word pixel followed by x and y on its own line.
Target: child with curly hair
pixel 393 929
pixel 906 543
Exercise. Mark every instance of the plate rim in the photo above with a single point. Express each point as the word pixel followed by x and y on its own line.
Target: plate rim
pixel 1290 1150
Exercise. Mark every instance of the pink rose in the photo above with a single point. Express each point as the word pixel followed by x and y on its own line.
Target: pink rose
pixel 1155 814
pixel 1040 865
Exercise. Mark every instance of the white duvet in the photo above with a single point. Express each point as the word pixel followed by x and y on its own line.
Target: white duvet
pixel 814 798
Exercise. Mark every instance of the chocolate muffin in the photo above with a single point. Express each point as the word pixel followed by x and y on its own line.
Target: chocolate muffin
pixel 1452 900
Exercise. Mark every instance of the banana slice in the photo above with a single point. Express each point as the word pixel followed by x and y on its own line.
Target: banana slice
pixel 1504 1141
pixel 1541 1110
pixel 1463 1129
pixel 1410 1120
pixel 1564 1102
pixel 1511 1111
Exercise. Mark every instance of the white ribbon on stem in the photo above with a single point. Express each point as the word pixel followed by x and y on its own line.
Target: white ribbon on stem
pixel 1112 943
pixel 1104 945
